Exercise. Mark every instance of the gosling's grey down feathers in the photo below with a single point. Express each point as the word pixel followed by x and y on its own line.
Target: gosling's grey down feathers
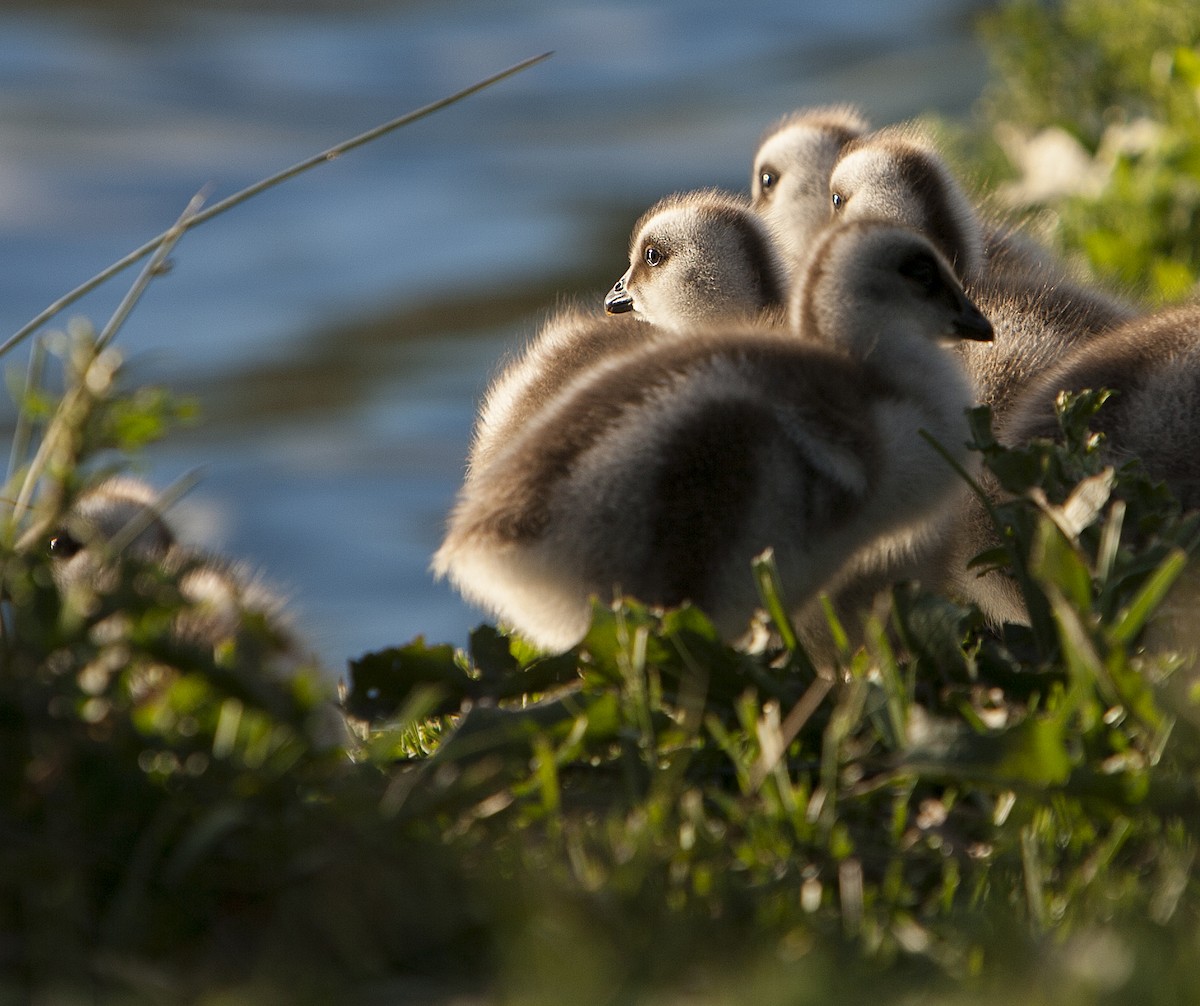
pixel 663 470
pixel 791 191
pixel 1037 309
pixel 699 256
pixel 570 341
pixel 789 182
pixel 1153 364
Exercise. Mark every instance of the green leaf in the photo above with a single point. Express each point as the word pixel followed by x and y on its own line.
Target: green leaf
pixel 992 559
pixel 1076 410
pixel 1186 65
pixel 688 620
pixel 486 729
pixel 770 591
pixel 1130 621
pixel 508 668
pixel 491 652
pixel 611 633
pixel 934 629
pixel 1033 754
pixel 979 422
pixel 1057 564
pixel 381 683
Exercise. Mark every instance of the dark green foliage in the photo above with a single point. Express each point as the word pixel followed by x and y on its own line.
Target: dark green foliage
pixel 654 810
pixel 1078 64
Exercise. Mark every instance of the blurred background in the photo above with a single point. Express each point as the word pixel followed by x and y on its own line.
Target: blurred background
pixel 339 331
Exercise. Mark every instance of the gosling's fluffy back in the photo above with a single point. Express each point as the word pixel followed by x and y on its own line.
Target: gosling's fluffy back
pixel 1153 364
pixel 569 342
pixel 1039 320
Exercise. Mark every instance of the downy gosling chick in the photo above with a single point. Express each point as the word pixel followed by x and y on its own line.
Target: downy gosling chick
pixel 789 182
pixel 224 603
pixel 665 469
pixel 697 257
pixel 1038 311
pixel 1153 365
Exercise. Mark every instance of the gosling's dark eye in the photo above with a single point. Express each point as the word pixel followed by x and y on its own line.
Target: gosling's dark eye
pixel 63 545
pixel 767 180
pixel 839 202
pixel 922 270
pixel 652 256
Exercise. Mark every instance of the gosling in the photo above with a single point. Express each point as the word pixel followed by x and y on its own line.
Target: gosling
pixel 1153 365
pixel 122 513
pixel 120 519
pixel 1038 310
pixel 665 469
pixel 789 182
pixel 224 603
pixel 699 257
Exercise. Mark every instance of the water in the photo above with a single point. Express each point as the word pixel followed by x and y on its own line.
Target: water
pixel 339 330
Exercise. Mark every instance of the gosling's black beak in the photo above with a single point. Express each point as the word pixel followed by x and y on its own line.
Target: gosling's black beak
pixel 617 300
pixel 972 324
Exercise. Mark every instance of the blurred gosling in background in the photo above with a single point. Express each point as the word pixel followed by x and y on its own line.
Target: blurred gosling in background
pixel 226 605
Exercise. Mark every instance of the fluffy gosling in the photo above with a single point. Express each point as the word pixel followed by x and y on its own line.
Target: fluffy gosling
pixel 697 257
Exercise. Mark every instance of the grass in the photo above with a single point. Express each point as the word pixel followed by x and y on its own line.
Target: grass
pixel 948 815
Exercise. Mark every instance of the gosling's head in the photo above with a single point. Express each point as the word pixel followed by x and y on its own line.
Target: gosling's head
pixel 696 258
pixel 896 174
pixel 872 282
pixel 123 511
pixel 789 183
pixel 119 517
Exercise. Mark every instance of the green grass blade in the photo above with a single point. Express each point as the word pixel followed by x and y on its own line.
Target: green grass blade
pixel 1130 622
